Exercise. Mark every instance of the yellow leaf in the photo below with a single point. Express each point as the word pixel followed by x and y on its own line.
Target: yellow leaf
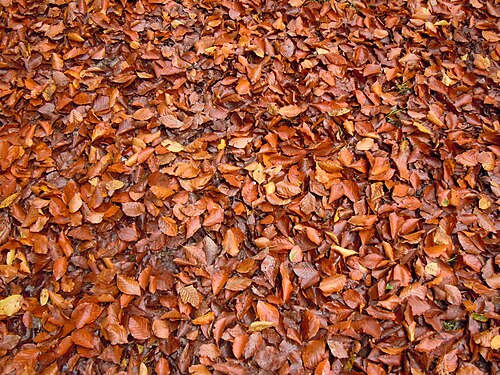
pixel 441 23
pixel 259 326
pixel 44 297
pixel 11 305
pixel 143 370
pixel 484 203
pixel 447 80
pixel 322 51
pixel 172 146
pixel 270 188
pixel 343 251
pixel 421 128
pixel 9 200
pixel 135 44
pixel 222 144
pixel 495 342
pixel 210 50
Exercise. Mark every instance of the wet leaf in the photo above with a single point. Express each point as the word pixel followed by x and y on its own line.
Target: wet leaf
pixel 85 313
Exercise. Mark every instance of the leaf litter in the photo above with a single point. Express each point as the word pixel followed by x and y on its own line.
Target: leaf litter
pixel 246 187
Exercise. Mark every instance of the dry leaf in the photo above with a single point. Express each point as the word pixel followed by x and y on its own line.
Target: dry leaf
pixel 11 304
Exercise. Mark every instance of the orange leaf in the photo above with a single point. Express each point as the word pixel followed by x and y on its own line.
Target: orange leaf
pixel 60 267
pixel 232 240
pixel 204 319
pixel 139 327
pixel 237 284
pixel 189 295
pixel 85 313
pixel 143 114
pixel 128 285
pixel 161 329
pixel 133 209
pixel 333 284
pixel 267 312
pixel 291 111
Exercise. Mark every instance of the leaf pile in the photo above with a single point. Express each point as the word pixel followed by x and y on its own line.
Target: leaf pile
pixel 249 187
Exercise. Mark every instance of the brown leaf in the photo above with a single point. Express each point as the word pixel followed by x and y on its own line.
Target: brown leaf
pixel 143 114
pixel 291 111
pixel 128 285
pixel 314 352
pixel 267 312
pixel 171 122
pixel 232 240
pixel 189 295
pixel 133 209
pixel 333 284
pixel 139 327
pixel 85 313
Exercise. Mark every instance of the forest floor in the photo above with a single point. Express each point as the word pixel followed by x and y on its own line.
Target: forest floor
pixel 249 187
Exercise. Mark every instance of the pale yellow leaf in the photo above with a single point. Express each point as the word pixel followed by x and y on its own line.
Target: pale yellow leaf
pixel 343 251
pixel 11 305
pixel 495 342
pixel 259 326
pixel 44 297
pixel 258 174
pixel 172 146
pixel 339 111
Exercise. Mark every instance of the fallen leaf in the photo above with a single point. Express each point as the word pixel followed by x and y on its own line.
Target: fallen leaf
pixel 11 305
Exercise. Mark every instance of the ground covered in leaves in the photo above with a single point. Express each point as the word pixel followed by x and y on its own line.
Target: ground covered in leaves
pixel 249 187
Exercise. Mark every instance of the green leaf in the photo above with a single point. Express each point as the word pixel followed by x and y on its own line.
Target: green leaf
pixel 479 317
